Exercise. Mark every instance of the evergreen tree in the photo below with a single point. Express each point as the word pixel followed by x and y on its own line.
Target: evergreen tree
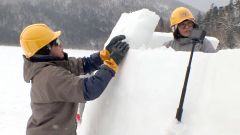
pixel 223 23
pixel 199 19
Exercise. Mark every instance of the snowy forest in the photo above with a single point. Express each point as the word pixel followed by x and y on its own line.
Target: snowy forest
pixel 87 24
pixel 223 23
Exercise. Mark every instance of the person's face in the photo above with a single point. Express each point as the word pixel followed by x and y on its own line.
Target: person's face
pixel 57 49
pixel 185 28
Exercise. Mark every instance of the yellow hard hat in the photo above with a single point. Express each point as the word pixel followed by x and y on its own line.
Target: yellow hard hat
pixel 36 36
pixel 179 15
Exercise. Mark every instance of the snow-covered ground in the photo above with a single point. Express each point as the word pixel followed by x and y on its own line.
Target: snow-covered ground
pixel 143 97
pixel 14 92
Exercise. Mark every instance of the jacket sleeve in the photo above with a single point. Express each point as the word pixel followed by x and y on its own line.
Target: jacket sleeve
pixel 92 63
pixel 208 47
pixel 76 66
pixel 56 84
pixel 81 66
pixel 167 44
pixel 95 85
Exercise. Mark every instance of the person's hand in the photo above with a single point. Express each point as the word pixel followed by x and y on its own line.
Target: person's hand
pixel 105 53
pixel 113 42
pixel 119 50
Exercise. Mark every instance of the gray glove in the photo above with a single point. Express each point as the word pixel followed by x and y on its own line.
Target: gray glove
pixel 119 50
pixel 114 41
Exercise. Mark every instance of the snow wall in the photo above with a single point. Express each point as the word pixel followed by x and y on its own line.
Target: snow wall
pixel 143 97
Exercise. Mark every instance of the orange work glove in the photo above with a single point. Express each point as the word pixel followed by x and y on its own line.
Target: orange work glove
pixel 105 55
pixel 111 64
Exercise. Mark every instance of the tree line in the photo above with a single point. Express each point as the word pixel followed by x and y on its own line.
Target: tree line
pixel 86 24
pixel 223 23
pixel 81 28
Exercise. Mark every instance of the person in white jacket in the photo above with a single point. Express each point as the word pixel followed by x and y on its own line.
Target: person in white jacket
pixel 181 23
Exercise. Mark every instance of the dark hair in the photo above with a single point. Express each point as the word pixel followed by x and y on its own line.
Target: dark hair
pixel 43 51
pixel 46 49
pixel 53 42
pixel 177 35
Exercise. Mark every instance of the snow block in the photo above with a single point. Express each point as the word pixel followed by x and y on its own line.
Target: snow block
pixel 138 27
pixel 143 97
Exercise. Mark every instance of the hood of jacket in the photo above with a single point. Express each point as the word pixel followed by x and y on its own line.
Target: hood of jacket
pixel 30 69
pixel 36 64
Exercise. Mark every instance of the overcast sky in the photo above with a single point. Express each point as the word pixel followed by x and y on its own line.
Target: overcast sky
pixel 204 5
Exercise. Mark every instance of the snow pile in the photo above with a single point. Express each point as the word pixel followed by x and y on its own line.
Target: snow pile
pixel 143 97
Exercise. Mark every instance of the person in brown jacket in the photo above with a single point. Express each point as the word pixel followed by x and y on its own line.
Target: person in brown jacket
pixel 56 88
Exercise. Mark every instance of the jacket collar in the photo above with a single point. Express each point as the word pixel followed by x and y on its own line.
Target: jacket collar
pixel 47 58
pixel 37 63
pixel 184 41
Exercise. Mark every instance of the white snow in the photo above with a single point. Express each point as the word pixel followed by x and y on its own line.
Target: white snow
pixel 135 26
pixel 14 92
pixel 143 97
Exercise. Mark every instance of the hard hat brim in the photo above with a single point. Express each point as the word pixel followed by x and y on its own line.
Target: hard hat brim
pixel 57 34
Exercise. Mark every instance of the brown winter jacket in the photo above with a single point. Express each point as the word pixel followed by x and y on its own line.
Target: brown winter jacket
pixel 55 95
pixel 57 90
